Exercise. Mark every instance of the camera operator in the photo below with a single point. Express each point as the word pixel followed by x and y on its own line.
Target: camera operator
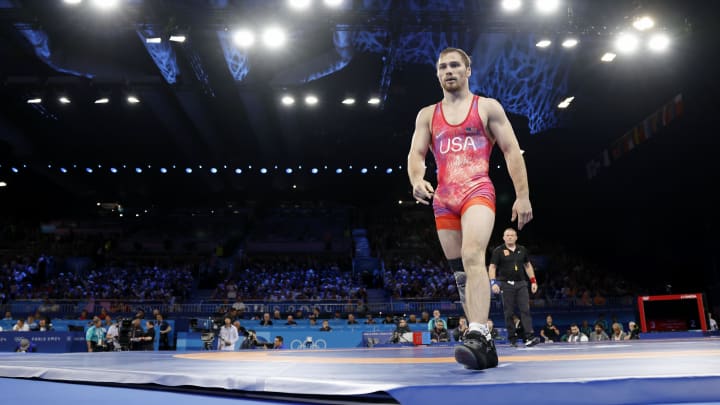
pixel 401 329
pixel 228 336
pixel 95 337
pixel 137 336
pixel 250 341
pixel 112 337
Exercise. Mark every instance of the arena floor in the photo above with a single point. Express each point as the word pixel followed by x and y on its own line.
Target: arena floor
pixel 639 372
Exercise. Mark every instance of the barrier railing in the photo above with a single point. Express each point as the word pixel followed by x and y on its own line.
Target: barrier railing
pixel 70 308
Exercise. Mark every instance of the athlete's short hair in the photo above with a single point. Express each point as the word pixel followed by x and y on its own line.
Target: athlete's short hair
pixel 464 56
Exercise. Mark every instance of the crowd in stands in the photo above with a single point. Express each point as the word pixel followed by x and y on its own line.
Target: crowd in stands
pixel 22 278
pixel 290 279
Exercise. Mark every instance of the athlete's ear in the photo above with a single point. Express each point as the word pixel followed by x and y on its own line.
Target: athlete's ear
pixel 469 71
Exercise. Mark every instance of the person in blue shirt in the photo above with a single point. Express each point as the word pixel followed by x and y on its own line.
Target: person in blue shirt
pixel 95 336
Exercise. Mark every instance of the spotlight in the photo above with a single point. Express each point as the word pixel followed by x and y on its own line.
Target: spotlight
pixel 569 43
pixel 105 4
pixel 178 38
pixel 566 103
pixel 132 100
pixel 333 3
pixel 244 38
pixel 238 170
pixel 263 170
pixel 626 43
pixel 608 57
pixel 64 100
pixel 153 40
pixel 511 5
pixel 311 100
pixel 188 170
pixel 14 169
pixel 3 184
pixel 138 170
pixel 659 43
pixel 338 170
pixel 89 169
pixel 349 101
pixel 299 4
pixel 643 23
pixel 374 100
pixel 363 170
pixel 314 170
pixel 213 170
pixel 287 100
pixel 288 170
pixel 63 170
pixel 389 170
pixel 102 100
pixel 543 43
pixel 274 37
pixel 547 6
pixel 72 2
pixel 163 170
pixel 34 100
pixel 113 170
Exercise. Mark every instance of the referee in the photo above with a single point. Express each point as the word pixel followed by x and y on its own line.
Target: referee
pixel 505 264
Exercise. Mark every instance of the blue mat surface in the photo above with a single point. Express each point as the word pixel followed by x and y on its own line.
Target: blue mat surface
pixel 630 372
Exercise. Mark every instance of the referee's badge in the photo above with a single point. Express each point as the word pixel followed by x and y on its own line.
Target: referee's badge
pixel 506 252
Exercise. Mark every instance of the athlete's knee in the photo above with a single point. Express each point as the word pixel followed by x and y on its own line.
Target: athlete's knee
pixel 472 257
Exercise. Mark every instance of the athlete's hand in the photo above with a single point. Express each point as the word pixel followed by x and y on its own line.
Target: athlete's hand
pixel 533 288
pixel 423 192
pixel 495 289
pixel 522 211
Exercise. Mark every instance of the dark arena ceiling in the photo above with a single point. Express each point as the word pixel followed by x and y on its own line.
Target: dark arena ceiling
pixel 209 103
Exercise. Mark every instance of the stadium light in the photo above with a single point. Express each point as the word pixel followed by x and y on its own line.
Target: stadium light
pixel 608 57
pixel 569 43
pixel 643 23
pixel 626 43
pixel 287 100
pixel 244 38
pixel 299 4
pixel 511 5
pixel 543 43
pixel 547 6
pixel 659 43
pixel 274 37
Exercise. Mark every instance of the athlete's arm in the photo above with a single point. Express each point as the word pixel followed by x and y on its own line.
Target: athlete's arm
pixel 502 131
pixel 422 190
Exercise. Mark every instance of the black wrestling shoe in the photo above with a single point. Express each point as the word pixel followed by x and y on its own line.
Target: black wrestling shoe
pixel 476 352
pixel 513 342
pixel 531 340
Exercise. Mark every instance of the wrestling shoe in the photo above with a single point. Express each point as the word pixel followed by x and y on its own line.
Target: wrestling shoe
pixel 476 352
pixel 531 340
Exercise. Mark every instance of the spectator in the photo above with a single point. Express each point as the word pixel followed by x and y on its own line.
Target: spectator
pixel 266 321
pixel 388 320
pixel 462 328
pixel 550 332
pixel 598 335
pixel 617 332
pixel 44 326
pixel 325 326
pixel 369 320
pixel 351 320
pixel 439 333
pixel 8 316
pixel 633 331
pixel 575 334
pixel 585 327
pixel 290 321
pixel 436 317
pixel 21 326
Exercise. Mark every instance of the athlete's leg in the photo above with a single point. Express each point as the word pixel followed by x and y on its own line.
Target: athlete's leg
pixel 478 350
pixel 451 241
pixel 477 224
